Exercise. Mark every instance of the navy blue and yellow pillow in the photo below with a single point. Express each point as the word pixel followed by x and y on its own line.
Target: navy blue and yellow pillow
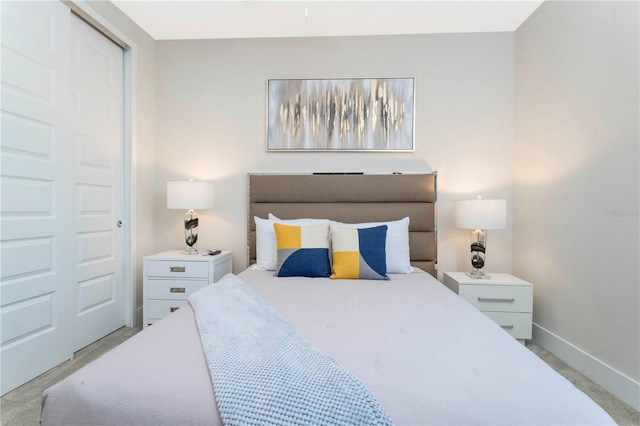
pixel 303 251
pixel 359 253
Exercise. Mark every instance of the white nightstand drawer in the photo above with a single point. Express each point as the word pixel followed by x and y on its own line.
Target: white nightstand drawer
pixel 172 276
pixel 498 298
pixel 162 308
pixel 177 269
pixel 516 324
pixel 173 289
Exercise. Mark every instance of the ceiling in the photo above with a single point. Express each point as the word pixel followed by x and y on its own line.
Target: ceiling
pixel 180 19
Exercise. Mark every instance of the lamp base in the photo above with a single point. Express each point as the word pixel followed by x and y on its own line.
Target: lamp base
pixel 191 232
pixel 478 249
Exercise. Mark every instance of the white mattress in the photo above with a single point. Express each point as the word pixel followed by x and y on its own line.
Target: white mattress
pixel 428 356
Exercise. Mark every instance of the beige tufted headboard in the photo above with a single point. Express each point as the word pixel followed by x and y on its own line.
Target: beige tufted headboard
pixel 351 198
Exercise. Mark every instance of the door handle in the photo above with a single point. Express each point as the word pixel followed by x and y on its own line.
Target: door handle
pixel 119 224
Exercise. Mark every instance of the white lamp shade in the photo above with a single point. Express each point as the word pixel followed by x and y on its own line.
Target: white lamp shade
pixel 480 214
pixel 189 195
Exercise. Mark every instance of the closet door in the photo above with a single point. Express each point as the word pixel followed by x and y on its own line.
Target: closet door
pixel 97 122
pixel 36 308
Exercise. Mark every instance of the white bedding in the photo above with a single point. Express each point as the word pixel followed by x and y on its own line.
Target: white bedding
pixel 427 356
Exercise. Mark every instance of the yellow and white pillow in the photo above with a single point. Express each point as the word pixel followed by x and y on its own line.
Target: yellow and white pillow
pixel 266 249
pixel 359 253
pixel 397 245
pixel 302 250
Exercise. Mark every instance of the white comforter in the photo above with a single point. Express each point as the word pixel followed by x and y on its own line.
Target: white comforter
pixel 426 355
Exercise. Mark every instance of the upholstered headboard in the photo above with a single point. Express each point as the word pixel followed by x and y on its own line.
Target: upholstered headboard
pixel 350 198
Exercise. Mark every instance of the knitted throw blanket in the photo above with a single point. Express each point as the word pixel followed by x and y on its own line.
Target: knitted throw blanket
pixel 263 372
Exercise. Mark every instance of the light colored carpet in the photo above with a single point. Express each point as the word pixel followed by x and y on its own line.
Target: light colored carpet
pixel 620 411
pixel 21 407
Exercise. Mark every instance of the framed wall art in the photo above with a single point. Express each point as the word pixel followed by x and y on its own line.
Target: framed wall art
pixel 357 114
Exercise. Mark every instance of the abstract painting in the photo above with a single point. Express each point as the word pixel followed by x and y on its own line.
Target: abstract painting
pixel 363 114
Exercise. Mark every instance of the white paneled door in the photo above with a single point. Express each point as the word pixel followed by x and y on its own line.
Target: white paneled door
pixel 36 312
pixel 97 99
pixel 61 183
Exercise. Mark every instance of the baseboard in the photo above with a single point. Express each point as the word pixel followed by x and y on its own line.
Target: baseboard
pixel 609 378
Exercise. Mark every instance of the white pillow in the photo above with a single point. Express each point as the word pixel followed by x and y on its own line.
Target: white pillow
pixel 397 246
pixel 266 247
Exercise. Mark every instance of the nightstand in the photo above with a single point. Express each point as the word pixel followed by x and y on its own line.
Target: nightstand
pixel 171 277
pixel 504 298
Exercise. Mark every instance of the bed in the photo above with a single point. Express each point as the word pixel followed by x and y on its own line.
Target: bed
pixel 426 355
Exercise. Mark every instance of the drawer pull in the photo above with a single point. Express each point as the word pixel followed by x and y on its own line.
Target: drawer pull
pixel 176 290
pixel 177 269
pixel 507 327
pixel 173 309
pixel 495 299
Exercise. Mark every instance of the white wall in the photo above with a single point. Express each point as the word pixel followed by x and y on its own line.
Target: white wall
pixel 576 226
pixel 211 125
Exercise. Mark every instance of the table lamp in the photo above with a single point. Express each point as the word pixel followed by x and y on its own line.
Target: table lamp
pixel 479 215
pixel 190 196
